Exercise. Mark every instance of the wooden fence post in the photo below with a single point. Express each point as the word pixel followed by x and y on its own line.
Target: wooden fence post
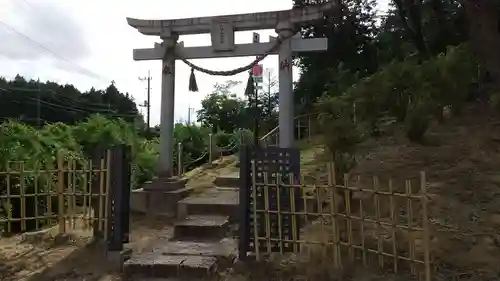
pixel 180 168
pixel 60 194
pixel 210 149
pixel 97 155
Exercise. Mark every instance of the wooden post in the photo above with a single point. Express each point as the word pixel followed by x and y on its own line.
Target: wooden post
pixel 180 167
pixel 210 150
pixel 425 226
pixel 309 128
pixel 96 176
pixel 60 193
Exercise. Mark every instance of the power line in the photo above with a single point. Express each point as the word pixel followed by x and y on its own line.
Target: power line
pixel 65 107
pixel 56 55
pixel 60 95
pixel 70 103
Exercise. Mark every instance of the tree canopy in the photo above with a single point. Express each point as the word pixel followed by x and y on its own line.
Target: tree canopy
pixel 37 103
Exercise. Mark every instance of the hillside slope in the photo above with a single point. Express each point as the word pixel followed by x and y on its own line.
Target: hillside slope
pixel 462 162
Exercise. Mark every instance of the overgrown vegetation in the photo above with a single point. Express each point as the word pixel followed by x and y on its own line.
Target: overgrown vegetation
pixel 405 91
pixel 37 150
pixel 406 67
pixel 413 65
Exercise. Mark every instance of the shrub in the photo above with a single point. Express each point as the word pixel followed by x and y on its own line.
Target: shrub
pixel 37 150
pixel 418 119
pixel 413 92
pixel 341 133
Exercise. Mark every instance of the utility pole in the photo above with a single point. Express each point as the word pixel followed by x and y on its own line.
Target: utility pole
pixel 38 105
pixel 147 103
pixel 269 93
pixel 190 111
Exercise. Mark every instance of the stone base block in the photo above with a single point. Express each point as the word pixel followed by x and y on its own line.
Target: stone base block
pixel 232 180
pixel 165 184
pixel 225 203
pixel 118 258
pixel 202 227
pixel 158 202
pixel 156 265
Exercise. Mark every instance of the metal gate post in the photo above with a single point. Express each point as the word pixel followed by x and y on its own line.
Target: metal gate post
pixel 115 197
pixel 244 196
pixel 126 190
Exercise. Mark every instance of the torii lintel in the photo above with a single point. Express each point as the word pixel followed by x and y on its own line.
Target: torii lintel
pixel 240 22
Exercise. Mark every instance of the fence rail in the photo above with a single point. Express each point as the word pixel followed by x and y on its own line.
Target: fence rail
pixel 380 224
pixel 303 125
pixel 72 194
pixel 213 152
pixel 66 195
pixel 303 130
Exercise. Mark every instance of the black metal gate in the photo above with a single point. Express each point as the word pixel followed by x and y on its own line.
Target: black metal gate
pixel 118 195
pixel 270 199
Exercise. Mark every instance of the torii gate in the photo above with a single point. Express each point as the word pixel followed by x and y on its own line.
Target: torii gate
pixel 222 30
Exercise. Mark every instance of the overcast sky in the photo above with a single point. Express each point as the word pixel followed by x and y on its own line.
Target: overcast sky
pixel 88 43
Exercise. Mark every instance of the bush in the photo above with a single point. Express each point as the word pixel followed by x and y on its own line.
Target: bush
pixel 223 139
pixel 417 120
pixel 413 92
pixel 341 133
pixel 407 91
pixel 37 150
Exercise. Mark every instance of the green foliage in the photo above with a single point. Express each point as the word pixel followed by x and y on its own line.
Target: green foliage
pixel 62 103
pixel 341 133
pixel 418 120
pixel 410 91
pixel 222 110
pixel 223 139
pixel 37 150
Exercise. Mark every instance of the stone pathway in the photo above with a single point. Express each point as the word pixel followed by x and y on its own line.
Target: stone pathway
pixel 202 243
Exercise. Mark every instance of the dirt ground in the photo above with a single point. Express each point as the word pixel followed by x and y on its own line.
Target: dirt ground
pixel 462 164
pixel 42 259
pixel 203 177
pixel 39 257
pixel 461 159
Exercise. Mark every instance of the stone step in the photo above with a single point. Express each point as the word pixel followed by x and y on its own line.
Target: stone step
pixel 165 184
pixel 157 201
pixel 228 180
pixel 202 227
pixel 213 202
pixel 157 265
pixel 182 259
pixel 225 250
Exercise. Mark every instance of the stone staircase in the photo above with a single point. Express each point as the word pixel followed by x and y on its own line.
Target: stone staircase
pixel 203 242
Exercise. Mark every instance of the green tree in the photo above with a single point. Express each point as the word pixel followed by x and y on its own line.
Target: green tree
pixel 49 102
pixel 222 110
pixel 350 30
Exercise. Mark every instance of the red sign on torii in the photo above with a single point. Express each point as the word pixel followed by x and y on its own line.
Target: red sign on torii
pixel 257 70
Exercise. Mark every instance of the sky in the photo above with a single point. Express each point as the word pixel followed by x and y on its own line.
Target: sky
pixel 89 44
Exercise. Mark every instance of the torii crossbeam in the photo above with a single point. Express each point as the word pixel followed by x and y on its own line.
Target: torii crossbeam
pixel 222 30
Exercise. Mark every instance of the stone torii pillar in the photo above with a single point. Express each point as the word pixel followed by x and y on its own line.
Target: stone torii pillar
pixel 222 30
pixel 167 105
pixel 285 77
